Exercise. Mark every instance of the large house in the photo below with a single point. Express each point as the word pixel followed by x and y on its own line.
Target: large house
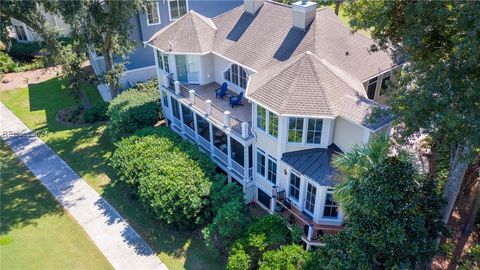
pixel 140 64
pixel 23 33
pixel 273 92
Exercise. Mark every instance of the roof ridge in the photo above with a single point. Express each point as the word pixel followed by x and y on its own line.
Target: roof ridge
pixel 315 72
pixel 197 31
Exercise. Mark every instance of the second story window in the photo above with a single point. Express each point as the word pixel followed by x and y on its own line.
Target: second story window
pixel 331 209
pixel 21 34
pixel 295 129
pixel 153 15
pixel 162 59
pixel 273 124
pixel 236 75
pixel 314 131
pixel 261 118
pixel 177 8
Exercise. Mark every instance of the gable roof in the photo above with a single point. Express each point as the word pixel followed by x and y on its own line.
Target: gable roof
pixel 192 33
pixel 315 164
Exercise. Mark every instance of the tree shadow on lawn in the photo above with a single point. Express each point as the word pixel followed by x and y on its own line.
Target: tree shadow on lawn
pixel 23 198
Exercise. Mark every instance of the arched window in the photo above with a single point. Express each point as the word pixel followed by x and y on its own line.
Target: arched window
pixel 236 75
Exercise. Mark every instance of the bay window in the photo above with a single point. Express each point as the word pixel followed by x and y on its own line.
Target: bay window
pixel 162 59
pixel 295 129
pixel 294 187
pixel 310 198
pixel 273 124
pixel 331 208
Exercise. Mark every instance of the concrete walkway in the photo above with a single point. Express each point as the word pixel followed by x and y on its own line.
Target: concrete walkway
pixel 115 238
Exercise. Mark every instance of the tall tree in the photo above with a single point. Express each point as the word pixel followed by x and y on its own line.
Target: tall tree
pixel 104 26
pixel 393 213
pixel 439 89
pixel 32 13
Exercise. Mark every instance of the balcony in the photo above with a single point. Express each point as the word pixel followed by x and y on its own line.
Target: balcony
pixel 313 232
pixel 237 120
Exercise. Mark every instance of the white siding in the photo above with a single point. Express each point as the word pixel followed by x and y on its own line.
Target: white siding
pixel 347 134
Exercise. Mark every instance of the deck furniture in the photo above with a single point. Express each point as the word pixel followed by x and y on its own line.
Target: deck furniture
pixel 236 100
pixel 221 91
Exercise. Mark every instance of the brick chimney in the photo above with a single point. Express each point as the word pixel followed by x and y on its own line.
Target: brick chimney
pixel 252 6
pixel 303 13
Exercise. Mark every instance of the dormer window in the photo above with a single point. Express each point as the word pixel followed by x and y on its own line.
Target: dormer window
pixel 236 75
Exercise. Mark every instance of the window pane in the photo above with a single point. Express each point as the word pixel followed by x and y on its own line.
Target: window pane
pixel 310 198
pixel 188 117
pixel 272 171
pixel 294 186
pixel 203 128
pixel 152 13
pixel 273 124
pixel 182 6
pixel 174 9
pixel 165 61
pixel 20 30
pixel 261 117
pixel 260 163
pixel 295 130
pixel 314 132
pixel 384 85
pixel 331 208
pixel 372 86
pixel 160 60
pixel 235 74
pixel 165 99
pixel 175 108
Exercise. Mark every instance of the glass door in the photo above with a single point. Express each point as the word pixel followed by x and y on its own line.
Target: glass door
pixel 182 71
pixel 193 67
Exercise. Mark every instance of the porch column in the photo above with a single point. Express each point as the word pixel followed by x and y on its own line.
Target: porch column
pixel 208 107
pixel 177 87
pixel 244 130
pixel 226 119
pixel 181 117
pixel 229 151
pixel 310 232
pixel 191 94
pixel 245 163
pixel 195 123
pixel 211 138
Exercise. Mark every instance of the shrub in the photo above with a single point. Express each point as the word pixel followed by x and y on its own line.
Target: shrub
pixel 24 51
pixel 6 63
pixel 228 223
pixel 97 112
pixel 172 177
pixel 287 257
pixel 238 259
pixel 133 109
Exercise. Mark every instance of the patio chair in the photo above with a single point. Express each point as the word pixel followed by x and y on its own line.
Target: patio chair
pixel 221 91
pixel 236 100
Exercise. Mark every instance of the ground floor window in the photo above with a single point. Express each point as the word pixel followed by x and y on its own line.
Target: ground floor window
pixel 263 198
pixel 310 198
pixel 331 209
pixel 294 190
pixel 21 34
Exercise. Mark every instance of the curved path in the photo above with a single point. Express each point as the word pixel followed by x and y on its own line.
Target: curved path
pixel 115 238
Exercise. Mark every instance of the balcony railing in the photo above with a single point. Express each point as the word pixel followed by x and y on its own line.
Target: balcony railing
pixel 312 232
pixel 208 108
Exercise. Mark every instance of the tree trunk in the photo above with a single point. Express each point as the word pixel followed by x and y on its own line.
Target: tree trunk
pixel 456 174
pixel 108 58
pixel 337 6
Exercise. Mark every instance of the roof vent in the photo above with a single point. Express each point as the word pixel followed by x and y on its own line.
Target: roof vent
pixel 252 6
pixel 303 13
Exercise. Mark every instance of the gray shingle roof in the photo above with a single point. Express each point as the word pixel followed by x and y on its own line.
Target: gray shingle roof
pixel 314 163
pixel 308 86
pixel 192 33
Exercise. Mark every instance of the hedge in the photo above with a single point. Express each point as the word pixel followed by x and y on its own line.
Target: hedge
pixel 134 109
pixel 173 177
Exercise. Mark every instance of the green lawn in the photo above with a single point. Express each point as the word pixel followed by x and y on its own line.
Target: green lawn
pixel 87 150
pixel 35 232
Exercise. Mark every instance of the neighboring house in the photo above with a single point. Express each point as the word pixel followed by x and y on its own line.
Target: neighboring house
pixel 308 87
pixel 140 64
pixel 23 33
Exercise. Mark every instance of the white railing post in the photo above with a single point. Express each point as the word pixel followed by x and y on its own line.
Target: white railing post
pixel 165 81
pixel 273 203
pixel 191 93
pixel 208 107
pixel 310 232
pixel 226 119
pixel 244 130
pixel 177 87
